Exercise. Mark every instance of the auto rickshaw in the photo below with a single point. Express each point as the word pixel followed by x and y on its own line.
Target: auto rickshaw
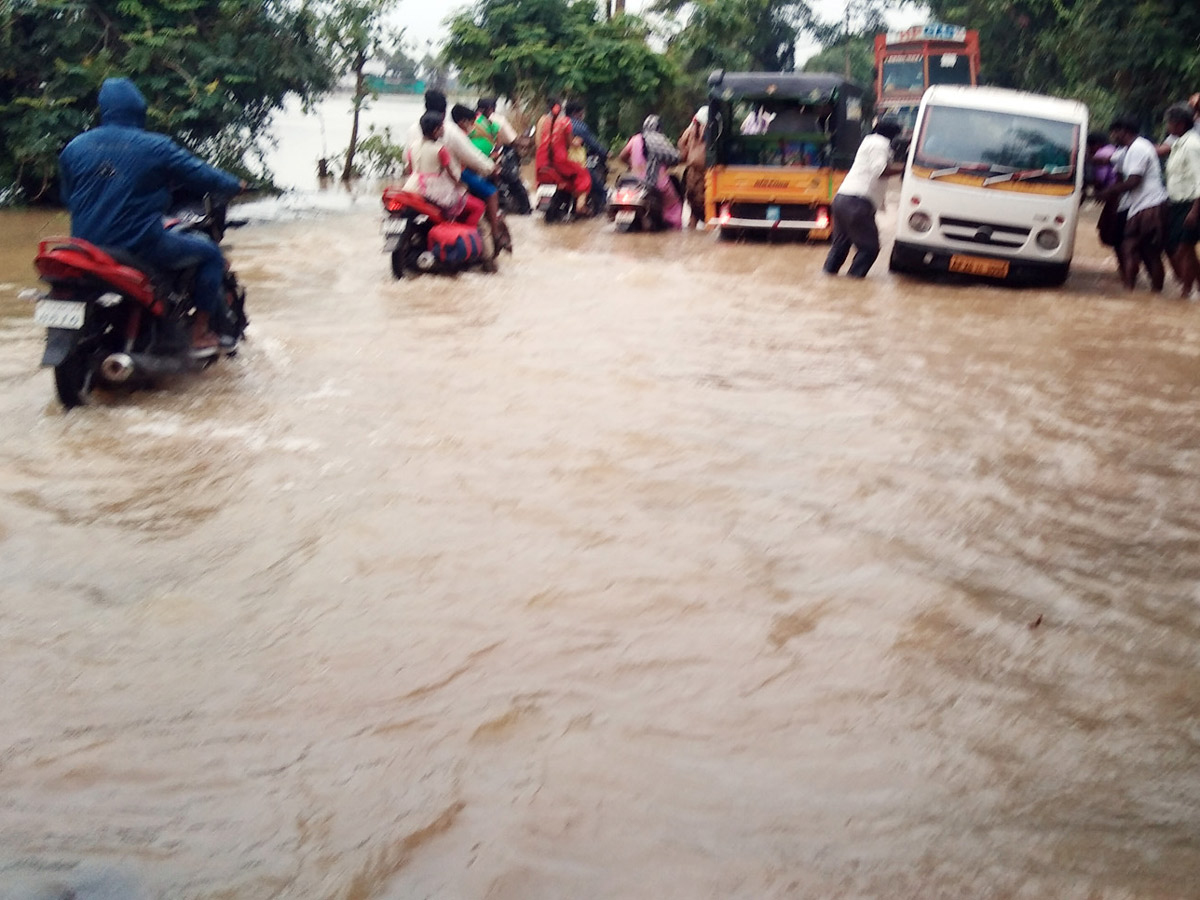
pixel 779 145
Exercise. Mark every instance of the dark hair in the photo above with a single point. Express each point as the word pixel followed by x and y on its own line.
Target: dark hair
pixel 889 128
pixel 486 105
pixel 573 108
pixel 462 113
pixel 1181 113
pixel 1124 123
pixel 435 101
pixel 430 122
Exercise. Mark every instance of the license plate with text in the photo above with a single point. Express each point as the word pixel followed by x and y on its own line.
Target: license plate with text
pixel 979 265
pixel 625 216
pixel 60 314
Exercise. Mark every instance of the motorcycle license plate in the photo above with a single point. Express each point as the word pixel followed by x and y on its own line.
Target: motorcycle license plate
pixel 625 216
pixel 60 314
pixel 545 194
pixel 394 226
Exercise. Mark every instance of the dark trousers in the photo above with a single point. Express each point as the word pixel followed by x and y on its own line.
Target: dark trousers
pixel 853 225
pixel 173 250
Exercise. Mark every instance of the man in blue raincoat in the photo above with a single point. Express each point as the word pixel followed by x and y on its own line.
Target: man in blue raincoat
pixel 116 180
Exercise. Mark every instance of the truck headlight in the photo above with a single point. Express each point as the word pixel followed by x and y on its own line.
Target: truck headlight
pixel 920 221
pixel 1048 239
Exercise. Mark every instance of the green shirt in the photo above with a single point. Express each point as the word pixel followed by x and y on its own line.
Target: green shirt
pixel 483 134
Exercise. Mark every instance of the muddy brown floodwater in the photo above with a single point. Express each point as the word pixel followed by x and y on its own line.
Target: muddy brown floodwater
pixel 650 567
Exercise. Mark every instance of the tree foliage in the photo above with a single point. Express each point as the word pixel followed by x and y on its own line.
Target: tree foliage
pixel 213 72
pixel 1130 56
pixel 856 52
pixel 355 32
pixel 738 35
pixel 529 50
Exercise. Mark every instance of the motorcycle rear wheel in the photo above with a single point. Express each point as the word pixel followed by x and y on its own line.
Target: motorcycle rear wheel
pixel 73 379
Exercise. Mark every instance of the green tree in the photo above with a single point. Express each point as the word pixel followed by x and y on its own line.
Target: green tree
pixel 1132 56
pixel 856 53
pixel 355 32
pixel 213 71
pixel 528 50
pixel 739 35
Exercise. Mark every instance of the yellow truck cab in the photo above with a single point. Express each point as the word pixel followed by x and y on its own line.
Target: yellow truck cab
pixel 779 145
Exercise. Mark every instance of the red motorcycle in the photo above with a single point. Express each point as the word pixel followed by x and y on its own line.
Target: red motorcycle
pixel 420 237
pixel 115 322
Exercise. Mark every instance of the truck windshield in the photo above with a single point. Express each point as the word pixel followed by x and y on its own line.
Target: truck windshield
pixel 949 68
pixel 904 73
pixel 993 143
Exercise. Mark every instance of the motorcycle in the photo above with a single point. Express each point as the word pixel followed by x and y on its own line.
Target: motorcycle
pixel 635 205
pixel 514 198
pixel 421 238
pixel 114 321
pixel 555 201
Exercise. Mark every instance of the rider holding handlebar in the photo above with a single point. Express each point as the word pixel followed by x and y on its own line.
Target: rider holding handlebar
pixel 117 179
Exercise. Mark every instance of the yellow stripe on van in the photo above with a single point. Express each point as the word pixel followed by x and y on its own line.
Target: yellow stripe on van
pixel 1017 187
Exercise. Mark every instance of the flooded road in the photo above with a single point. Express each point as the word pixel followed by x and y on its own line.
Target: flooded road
pixel 650 567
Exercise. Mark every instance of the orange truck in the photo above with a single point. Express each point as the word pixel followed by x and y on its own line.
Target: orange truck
pixel 909 61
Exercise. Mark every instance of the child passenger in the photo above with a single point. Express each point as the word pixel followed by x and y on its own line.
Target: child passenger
pixel 435 176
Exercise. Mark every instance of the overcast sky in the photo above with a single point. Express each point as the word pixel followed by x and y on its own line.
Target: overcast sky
pixel 423 18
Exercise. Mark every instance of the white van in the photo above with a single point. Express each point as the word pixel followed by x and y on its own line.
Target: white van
pixel 992 186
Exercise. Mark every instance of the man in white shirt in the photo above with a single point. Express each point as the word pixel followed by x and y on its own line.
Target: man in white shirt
pixel 861 196
pixel 1144 202
pixel 1183 192
pixel 469 157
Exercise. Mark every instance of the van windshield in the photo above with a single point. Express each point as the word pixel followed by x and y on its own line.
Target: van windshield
pixel 995 143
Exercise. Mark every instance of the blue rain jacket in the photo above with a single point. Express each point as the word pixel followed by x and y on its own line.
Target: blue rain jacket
pixel 117 179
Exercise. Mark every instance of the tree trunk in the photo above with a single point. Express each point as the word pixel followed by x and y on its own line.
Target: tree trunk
pixel 360 92
pixel 618 7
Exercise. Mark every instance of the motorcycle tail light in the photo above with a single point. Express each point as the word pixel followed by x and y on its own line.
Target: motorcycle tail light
pixel 822 218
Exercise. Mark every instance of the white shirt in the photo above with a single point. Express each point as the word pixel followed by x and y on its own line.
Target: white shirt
pixel 1141 158
pixel 507 134
pixel 466 154
pixel 1183 168
pixel 865 178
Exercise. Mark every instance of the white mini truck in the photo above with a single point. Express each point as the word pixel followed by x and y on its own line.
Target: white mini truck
pixel 992 186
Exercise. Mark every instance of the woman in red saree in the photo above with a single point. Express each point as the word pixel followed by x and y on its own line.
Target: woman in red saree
pixel 554 140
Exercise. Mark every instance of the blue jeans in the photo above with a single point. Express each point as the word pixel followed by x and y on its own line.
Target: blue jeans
pixel 478 185
pixel 172 250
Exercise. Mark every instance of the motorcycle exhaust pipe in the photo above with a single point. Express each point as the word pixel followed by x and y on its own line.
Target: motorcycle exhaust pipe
pixel 117 368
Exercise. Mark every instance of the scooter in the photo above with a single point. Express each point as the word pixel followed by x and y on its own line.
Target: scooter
pixel 635 205
pixel 114 321
pixel 554 199
pixel 421 238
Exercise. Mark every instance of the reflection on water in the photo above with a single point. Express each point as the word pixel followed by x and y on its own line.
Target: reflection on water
pixel 649 567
